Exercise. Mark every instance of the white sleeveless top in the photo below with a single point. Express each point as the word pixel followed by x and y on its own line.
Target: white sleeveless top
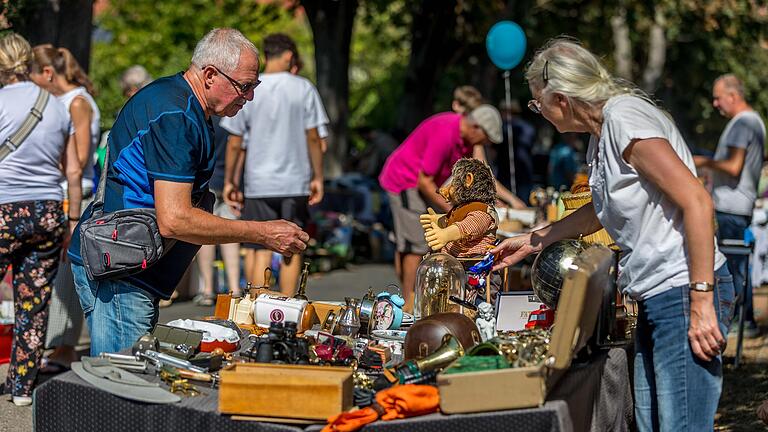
pixel 66 99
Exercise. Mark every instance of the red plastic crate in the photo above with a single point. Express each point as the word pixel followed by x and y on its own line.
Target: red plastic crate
pixel 6 339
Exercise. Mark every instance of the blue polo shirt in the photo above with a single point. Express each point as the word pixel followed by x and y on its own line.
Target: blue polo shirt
pixel 160 134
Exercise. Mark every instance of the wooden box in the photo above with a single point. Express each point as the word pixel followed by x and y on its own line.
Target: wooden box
pixel 527 387
pixel 285 391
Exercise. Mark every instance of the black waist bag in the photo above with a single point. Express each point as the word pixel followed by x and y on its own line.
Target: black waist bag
pixel 121 243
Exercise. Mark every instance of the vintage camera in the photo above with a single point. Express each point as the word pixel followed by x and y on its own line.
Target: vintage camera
pixel 279 346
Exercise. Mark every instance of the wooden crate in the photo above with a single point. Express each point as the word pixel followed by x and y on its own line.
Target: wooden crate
pixel 285 391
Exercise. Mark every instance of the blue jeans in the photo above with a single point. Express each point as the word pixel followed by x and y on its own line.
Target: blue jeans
pixel 117 312
pixel 732 226
pixel 674 389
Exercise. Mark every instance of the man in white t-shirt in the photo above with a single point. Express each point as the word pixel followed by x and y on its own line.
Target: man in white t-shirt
pixel 735 173
pixel 278 131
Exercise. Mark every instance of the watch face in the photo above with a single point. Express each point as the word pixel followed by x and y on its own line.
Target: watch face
pixel 383 315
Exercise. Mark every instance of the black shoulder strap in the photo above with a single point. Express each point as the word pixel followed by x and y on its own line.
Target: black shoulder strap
pixel 33 118
pixel 98 201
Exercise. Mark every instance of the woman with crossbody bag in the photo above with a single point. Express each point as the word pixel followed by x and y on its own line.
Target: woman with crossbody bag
pixel 36 145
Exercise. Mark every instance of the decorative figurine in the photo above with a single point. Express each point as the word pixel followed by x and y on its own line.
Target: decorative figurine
pixel 469 229
pixel 485 321
pixel 478 278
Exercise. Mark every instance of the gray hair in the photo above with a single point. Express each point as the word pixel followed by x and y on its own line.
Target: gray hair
pixel 136 77
pixel 732 83
pixel 564 66
pixel 221 47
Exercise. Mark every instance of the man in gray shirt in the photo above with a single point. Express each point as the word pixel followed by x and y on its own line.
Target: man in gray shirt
pixel 735 173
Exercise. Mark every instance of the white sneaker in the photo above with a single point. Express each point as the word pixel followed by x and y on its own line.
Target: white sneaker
pixel 22 400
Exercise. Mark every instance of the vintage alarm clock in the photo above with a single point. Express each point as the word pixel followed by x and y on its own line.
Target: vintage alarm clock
pixel 387 312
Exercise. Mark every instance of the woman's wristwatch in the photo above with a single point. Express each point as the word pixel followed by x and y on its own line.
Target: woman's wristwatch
pixel 701 286
pixel 73 219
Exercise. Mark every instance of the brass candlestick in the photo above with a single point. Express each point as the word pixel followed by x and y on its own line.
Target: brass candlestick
pixel 301 294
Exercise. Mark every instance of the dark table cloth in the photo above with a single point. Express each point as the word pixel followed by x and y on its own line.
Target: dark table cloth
pixel 594 396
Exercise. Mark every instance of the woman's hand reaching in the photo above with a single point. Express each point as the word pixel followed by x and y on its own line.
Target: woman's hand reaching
pixel 513 250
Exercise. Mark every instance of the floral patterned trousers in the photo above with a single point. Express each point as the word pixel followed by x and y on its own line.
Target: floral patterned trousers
pixel 31 236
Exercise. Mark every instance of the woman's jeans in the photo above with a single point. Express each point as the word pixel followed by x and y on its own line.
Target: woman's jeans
pixel 117 312
pixel 674 389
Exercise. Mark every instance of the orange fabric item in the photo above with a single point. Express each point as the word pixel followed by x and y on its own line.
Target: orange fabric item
pixel 351 420
pixel 408 400
pixel 397 402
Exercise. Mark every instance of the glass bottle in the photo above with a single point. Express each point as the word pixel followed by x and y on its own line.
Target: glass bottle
pixel 349 322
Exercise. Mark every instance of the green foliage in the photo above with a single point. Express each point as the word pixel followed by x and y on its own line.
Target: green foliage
pixel 162 35
pixel 704 40
pixel 714 39
pixel 378 58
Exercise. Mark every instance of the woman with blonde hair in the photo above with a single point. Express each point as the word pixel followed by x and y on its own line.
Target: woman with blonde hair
pixel 33 226
pixel 57 70
pixel 646 195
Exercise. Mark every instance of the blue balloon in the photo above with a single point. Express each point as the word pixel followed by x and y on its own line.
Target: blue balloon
pixel 505 44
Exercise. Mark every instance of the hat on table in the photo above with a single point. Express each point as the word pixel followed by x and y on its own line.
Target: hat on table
pixel 489 119
pixel 102 375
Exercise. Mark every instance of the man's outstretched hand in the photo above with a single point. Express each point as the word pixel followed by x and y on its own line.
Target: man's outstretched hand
pixel 285 238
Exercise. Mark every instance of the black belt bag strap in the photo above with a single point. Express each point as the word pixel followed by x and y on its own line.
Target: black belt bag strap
pixel 122 243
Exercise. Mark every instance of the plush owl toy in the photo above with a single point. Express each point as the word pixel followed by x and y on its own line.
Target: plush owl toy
pixel 469 229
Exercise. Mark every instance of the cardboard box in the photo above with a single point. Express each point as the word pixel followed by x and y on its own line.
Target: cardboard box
pixel 285 391
pixel 527 387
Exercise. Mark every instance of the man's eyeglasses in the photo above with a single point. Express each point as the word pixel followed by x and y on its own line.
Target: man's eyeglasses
pixel 241 88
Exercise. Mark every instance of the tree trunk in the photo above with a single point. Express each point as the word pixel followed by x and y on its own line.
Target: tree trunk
pixel 63 23
pixel 622 52
pixel 431 47
pixel 332 23
pixel 657 53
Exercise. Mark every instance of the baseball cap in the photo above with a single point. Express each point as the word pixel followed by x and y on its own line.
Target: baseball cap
pixel 489 119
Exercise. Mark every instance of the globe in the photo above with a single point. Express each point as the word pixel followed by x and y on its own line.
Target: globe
pixel 550 268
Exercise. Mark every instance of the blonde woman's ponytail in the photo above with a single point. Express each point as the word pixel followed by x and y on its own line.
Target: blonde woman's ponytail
pixel 15 57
